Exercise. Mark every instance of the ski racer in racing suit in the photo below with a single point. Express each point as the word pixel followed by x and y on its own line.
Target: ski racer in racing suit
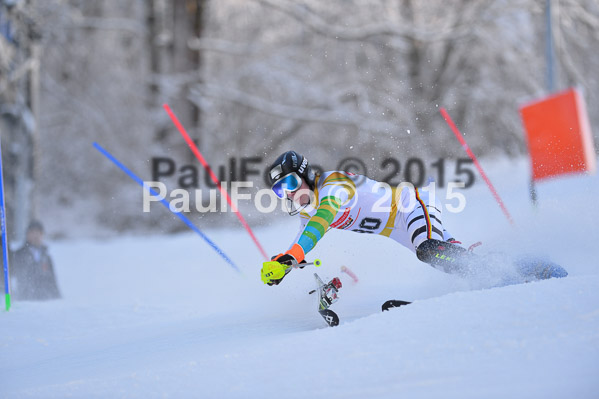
pixel 346 201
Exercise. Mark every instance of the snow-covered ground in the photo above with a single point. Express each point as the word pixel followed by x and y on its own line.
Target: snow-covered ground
pixel 164 316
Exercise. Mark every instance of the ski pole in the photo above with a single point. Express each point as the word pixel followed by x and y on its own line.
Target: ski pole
pixel 316 262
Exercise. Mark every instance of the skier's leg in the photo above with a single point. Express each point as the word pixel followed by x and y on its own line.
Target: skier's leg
pixel 446 256
pixel 420 218
pixel 419 228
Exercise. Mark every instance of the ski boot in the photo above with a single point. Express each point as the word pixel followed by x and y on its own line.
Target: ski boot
pixel 327 295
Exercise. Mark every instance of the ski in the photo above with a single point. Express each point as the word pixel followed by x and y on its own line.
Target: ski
pixel 393 303
pixel 327 295
pixel 329 317
pixel 539 268
pixel 453 259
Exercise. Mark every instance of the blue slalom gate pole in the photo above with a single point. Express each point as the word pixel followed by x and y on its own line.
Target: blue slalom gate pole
pixel 166 204
pixel 4 238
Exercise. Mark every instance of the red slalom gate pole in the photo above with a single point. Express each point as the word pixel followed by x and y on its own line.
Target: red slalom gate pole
pixel 347 271
pixel 208 169
pixel 462 141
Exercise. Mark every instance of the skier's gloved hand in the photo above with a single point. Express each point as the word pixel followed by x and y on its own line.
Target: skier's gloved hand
pixel 286 259
pixel 277 281
pixel 292 257
pixel 285 262
pixel 273 272
pixel 287 267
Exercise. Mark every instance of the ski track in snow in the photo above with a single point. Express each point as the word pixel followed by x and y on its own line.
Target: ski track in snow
pixel 164 316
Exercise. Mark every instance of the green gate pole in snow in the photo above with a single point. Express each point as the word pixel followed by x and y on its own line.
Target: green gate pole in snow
pixel 4 240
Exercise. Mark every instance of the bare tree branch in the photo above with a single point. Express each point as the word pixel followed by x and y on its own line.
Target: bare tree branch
pixel 222 46
pixel 324 114
pixel 122 24
pixel 365 32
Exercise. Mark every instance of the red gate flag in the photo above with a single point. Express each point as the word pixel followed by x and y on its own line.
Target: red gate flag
pixel 559 135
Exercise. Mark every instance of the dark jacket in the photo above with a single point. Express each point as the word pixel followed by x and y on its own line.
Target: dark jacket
pixel 32 274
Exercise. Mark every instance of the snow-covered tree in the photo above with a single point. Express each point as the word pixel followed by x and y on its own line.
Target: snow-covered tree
pixel 363 78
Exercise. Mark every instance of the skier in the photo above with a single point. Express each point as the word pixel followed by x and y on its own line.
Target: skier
pixel 352 202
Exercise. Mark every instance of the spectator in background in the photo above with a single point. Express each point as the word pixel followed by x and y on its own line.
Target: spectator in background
pixel 32 268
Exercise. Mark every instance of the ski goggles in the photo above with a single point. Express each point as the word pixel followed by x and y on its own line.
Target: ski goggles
pixel 289 183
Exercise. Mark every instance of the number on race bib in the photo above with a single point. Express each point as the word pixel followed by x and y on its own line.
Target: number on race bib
pixel 369 224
